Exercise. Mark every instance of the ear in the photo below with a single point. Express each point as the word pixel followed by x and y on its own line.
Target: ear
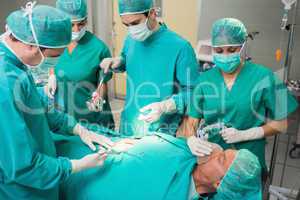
pixel 152 14
pixel 244 50
pixel 33 49
pixel 216 184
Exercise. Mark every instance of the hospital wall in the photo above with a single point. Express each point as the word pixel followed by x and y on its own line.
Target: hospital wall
pixel 183 21
pixel 263 16
pixel 7 6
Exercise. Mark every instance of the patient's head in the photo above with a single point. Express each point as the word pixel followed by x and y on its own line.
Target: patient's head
pixel 230 172
pixel 210 172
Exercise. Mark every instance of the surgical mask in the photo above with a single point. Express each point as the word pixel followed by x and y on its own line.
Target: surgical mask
pixel 76 36
pixel 228 63
pixel 140 32
pixel 48 62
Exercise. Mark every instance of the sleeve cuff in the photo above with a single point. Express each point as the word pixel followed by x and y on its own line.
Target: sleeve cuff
pixel 180 105
pixel 67 166
pixel 71 123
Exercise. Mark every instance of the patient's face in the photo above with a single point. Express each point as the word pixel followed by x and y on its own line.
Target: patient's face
pixel 208 175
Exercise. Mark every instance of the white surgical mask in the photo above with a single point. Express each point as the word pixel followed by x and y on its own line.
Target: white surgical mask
pixel 140 32
pixel 76 36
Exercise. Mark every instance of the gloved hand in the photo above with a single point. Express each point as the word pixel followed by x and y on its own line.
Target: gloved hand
pixel 89 138
pixel 199 147
pixel 232 135
pixel 96 103
pixel 156 110
pixel 88 162
pixel 50 88
pixel 124 145
pixel 110 63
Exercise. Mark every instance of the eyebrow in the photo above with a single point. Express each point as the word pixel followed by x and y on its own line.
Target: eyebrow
pixel 134 22
pixel 55 56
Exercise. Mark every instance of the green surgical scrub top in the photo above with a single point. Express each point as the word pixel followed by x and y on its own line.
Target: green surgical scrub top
pixel 158 167
pixel 78 77
pixel 256 95
pixel 158 68
pixel 29 168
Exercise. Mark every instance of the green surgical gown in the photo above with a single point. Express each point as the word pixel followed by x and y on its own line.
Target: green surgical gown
pixel 256 95
pixel 158 167
pixel 158 68
pixel 78 77
pixel 29 168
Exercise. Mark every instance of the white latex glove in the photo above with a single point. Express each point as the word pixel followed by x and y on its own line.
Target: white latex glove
pixel 50 88
pixel 88 162
pixel 232 135
pixel 124 145
pixel 199 147
pixel 96 103
pixel 156 110
pixel 110 63
pixel 89 138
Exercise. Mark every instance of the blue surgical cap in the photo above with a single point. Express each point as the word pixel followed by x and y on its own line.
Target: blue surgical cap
pixel 228 32
pixel 76 9
pixel 130 7
pixel 242 180
pixel 52 28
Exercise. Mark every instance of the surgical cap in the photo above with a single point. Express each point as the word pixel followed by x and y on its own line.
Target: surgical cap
pixel 77 9
pixel 129 7
pixel 242 180
pixel 52 28
pixel 228 32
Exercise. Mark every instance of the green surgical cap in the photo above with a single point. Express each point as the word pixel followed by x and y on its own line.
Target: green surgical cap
pixel 242 180
pixel 228 31
pixel 53 28
pixel 77 9
pixel 130 7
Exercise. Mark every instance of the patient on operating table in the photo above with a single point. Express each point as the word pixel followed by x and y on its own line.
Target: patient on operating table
pixel 161 167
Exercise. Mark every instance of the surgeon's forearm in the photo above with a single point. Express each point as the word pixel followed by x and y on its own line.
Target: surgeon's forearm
pixel 180 101
pixel 188 127
pixel 44 172
pixel 275 127
pixel 60 122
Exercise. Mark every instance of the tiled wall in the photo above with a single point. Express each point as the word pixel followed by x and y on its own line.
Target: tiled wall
pixel 259 15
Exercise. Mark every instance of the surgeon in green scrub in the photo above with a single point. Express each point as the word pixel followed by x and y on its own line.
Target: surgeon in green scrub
pixel 78 74
pixel 247 98
pixel 161 71
pixel 29 168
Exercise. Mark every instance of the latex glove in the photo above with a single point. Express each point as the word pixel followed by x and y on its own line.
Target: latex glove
pixel 110 63
pixel 124 145
pixel 232 135
pixel 199 147
pixel 96 103
pixel 153 112
pixel 89 138
pixel 51 87
pixel 88 162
